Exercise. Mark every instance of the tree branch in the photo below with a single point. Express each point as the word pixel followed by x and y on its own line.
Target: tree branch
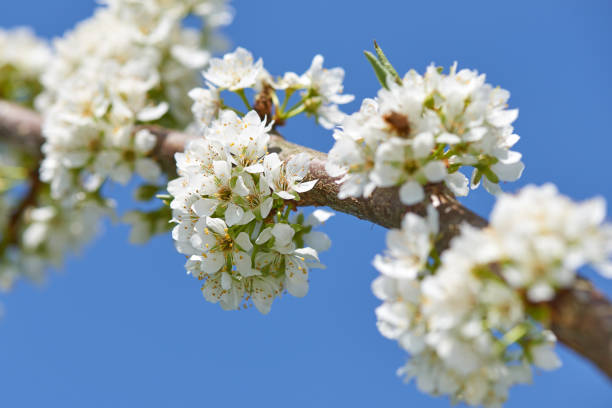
pixel 581 315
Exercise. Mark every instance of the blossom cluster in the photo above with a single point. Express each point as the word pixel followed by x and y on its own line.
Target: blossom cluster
pixel 321 90
pixel 469 317
pixel 425 129
pixel 132 63
pixel 23 57
pixel 36 234
pixel 232 204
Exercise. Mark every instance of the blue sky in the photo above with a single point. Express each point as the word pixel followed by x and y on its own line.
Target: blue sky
pixel 123 326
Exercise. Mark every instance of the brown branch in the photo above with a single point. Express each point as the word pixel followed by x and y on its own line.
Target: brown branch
pixel 581 315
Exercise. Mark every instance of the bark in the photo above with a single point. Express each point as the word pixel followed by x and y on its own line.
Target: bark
pixel 581 315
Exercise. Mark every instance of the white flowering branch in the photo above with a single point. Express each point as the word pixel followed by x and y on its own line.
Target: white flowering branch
pixel 581 315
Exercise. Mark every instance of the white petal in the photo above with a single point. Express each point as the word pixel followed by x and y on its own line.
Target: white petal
pixel 285 195
pixel 226 281
pixel 283 234
pixel 212 262
pixel 508 172
pixel 303 187
pixel 266 206
pixel 317 240
pixel 309 254
pixel 411 193
pixel 435 171
pixel 298 288
pixel 233 214
pixel 152 113
pixel 448 138
pixel 144 141
pixel 216 224
pixel 241 188
pixel 204 207
pixel 254 168
pixel 544 357
pixel 242 260
pixel 422 144
pixel 318 217
pixel 243 240
pixel 264 236
pixel 457 183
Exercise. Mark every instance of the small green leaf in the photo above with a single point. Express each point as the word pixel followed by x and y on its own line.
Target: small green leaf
pixel 382 58
pixel 453 168
pixel 490 175
pixel 477 177
pixel 515 334
pixel 380 72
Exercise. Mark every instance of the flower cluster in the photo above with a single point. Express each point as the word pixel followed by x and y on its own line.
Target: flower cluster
pixel 468 318
pixel 424 130
pixel 544 238
pixel 23 57
pixel 45 233
pixel 132 63
pixel 321 90
pixel 232 205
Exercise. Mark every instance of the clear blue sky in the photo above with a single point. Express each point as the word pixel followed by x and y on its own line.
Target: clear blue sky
pixel 124 326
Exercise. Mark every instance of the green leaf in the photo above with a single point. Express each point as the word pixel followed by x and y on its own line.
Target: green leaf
pixel 380 72
pixel 477 177
pixel 515 334
pixel 382 58
pixel 490 175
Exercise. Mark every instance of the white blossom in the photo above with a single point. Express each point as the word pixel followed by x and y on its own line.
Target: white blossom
pixel 325 87
pixel 23 58
pixel 132 62
pixel 408 247
pixel 423 131
pixel 234 71
pixel 546 238
pixel 206 105
pixel 231 218
pixel 285 179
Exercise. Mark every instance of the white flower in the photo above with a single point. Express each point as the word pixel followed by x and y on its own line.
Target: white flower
pixel 283 252
pixel 422 131
pixel 547 238
pixel 325 86
pixel 244 138
pixel 131 62
pixel 22 50
pixel 206 105
pixel 467 330
pixel 235 71
pixel 216 245
pixel 317 240
pixel 285 178
pixel 408 248
pixel 227 188
pixel 352 164
pixel 217 190
pixel 544 355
